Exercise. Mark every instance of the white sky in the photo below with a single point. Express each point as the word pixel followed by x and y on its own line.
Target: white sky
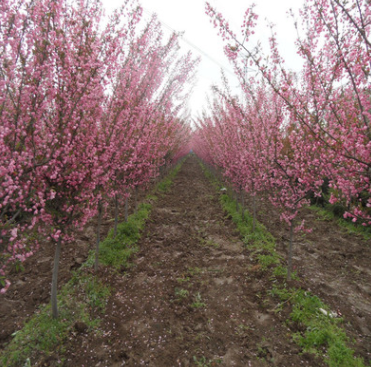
pixel 189 16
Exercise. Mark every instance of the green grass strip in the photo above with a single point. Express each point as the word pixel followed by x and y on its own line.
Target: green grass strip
pixel 116 251
pixel 327 214
pixel 164 185
pixel 323 334
pixel 44 336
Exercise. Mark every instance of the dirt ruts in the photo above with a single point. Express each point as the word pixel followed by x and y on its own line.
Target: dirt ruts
pixel 192 296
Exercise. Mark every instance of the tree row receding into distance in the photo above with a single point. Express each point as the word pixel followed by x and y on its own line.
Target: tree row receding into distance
pixel 90 108
pixel 292 136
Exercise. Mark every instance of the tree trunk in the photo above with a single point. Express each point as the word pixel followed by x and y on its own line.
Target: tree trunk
pixel 126 208
pixel 100 211
pixel 136 198
pixel 242 204
pixel 116 215
pixel 55 279
pixel 289 267
pixel 254 213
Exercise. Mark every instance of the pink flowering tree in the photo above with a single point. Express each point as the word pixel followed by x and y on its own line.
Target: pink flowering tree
pixel 87 112
pixel 55 78
pixel 295 132
pixel 330 105
pixel 140 111
pixel 68 131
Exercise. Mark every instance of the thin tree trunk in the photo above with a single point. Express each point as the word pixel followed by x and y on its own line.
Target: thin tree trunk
pixel 126 208
pixel 237 201
pixel 116 215
pixel 136 198
pixel 242 204
pixel 100 211
pixel 55 279
pixel 254 213
pixel 289 267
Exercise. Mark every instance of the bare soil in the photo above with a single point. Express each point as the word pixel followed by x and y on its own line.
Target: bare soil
pixel 193 296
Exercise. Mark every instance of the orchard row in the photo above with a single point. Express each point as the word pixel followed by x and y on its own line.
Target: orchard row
pixel 89 108
pixel 296 136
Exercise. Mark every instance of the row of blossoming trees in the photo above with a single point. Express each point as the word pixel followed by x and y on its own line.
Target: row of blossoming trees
pixel 89 108
pixel 290 133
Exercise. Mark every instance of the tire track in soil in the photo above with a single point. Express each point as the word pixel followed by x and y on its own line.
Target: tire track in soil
pixel 191 293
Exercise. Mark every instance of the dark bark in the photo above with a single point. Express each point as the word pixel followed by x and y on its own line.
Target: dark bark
pixel 126 208
pixel 254 213
pixel 100 211
pixel 116 215
pixel 55 279
pixel 289 266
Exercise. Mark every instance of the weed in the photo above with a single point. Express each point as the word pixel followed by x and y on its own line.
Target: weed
pixel 209 243
pixel 242 329
pixel 183 280
pixel 198 302
pixel 96 293
pixel 181 293
pixel 281 292
pixel 267 260
pixel 164 186
pixel 194 271
pixel 322 332
pixel 211 270
pixel 280 272
pixel 262 350
pixel 18 267
pixel 203 362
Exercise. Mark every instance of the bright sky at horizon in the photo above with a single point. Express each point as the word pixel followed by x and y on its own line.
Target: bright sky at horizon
pixel 201 38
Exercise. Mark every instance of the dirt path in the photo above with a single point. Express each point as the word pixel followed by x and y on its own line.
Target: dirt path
pixel 192 297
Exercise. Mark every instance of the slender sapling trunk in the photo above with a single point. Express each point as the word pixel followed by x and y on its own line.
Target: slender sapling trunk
pixel 116 215
pixel 100 211
pixel 55 279
pixel 242 204
pixel 289 267
pixel 136 198
pixel 126 208
pixel 254 213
